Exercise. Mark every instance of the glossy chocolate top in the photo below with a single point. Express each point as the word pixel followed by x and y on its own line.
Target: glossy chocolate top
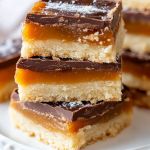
pixel 89 14
pixel 136 57
pixel 9 51
pixel 41 64
pixel 133 15
pixel 69 111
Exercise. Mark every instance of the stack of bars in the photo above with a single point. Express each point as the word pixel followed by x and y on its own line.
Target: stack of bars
pixel 136 54
pixel 69 74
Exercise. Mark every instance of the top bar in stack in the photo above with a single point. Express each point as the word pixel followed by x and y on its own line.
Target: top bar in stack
pixel 70 52
pixel 83 30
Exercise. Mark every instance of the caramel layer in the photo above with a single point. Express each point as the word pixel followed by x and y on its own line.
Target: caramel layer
pixel 33 31
pixel 45 22
pixel 138 69
pixel 6 75
pixel 25 77
pixel 71 127
pixel 38 6
pixel 138 28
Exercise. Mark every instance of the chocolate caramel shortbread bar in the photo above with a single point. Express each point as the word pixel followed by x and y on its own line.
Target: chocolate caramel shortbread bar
pixel 70 125
pixel 83 30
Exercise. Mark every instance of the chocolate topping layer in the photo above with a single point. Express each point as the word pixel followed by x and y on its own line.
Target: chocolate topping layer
pixel 131 15
pixel 9 51
pixel 69 111
pixel 87 14
pixel 47 64
pixel 134 91
pixel 135 57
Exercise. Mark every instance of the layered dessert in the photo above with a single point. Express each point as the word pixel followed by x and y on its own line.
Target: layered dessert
pixel 136 54
pixel 70 125
pixel 9 54
pixel 83 30
pixel 70 52
pixel 45 79
pixel 69 73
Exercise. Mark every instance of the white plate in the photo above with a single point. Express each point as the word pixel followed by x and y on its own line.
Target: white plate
pixel 137 136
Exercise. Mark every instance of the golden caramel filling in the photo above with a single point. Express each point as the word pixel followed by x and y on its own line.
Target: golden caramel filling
pixel 6 75
pixel 71 127
pixel 138 28
pixel 136 69
pixel 25 77
pixel 33 31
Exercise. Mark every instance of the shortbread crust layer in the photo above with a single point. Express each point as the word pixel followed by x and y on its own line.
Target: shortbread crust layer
pixel 90 91
pixel 137 43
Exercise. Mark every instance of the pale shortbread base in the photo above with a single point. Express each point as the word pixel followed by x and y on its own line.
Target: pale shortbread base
pixel 137 43
pixel 132 81
pixel 74 50
pixel 6 90
pixel 88 91
pixel 83 137
pixel 136 4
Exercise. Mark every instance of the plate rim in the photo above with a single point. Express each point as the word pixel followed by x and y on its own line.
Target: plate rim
pixel 9 144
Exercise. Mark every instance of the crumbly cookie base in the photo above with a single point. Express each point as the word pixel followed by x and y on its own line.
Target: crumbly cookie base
pixel 87 91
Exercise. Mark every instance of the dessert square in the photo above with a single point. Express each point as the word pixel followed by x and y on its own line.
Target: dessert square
pixel 9 54
pixel 70 125
pixel 136 50
pixel 81 30
pixel 44 80
pixel 137 23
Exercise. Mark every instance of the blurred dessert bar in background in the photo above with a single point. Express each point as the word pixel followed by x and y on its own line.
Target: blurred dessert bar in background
pixel 9 54
pixel 136 53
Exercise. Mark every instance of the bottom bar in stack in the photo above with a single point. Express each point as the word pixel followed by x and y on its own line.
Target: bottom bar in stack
pixel 70 125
